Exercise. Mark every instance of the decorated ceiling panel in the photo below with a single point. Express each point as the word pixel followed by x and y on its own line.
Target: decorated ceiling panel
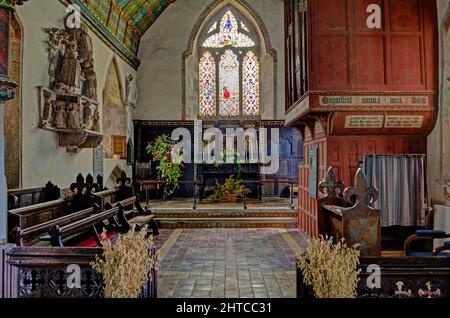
pixel 123 22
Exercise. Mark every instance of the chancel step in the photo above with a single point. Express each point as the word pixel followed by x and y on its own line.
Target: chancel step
pixel 237 222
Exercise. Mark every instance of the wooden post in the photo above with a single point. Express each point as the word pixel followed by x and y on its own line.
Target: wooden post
pixel 6 93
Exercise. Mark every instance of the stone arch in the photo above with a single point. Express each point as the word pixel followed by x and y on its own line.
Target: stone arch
pixel 114 116
pixel 13 108
pixel 268 59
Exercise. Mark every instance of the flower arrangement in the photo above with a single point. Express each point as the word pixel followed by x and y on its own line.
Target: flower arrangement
pixel 170 164
pixel 126 265
pixel 330 268
pixel 230 188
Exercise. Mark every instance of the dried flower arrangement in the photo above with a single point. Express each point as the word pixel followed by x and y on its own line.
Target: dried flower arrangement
pixel 126 265
pixel 331 268
pixel 231 187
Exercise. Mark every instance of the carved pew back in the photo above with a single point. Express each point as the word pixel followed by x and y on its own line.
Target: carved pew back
pixel 352 217
pixel 45 273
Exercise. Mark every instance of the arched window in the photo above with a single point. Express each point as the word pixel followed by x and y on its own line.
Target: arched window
pixel 229 69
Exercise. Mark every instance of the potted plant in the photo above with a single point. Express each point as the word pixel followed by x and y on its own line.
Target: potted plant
pixel 170 164
pixel 230 191
pixel 330 269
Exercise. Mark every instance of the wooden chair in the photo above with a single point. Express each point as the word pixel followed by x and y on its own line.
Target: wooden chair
pixel 428 235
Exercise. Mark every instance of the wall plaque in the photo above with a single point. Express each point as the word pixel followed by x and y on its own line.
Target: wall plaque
pixel 373 100
pixel 364 121
pixel 404 121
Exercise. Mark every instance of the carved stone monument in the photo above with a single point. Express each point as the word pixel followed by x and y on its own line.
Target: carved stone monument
pixel 69 106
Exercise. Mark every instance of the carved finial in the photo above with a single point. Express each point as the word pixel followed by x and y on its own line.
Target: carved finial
pixel 361 194
pixel 330 184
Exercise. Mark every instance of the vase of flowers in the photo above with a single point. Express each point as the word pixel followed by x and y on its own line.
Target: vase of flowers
pixel 169 163
pixel 229 191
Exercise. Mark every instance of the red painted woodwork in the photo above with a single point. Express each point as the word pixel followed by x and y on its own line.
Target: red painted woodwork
pixel 383 79
pixel 5 19
pixel 347 55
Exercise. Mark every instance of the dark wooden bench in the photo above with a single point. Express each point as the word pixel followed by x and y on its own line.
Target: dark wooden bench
pixel 114 220
pixel 36 272
pixel 30 235
pixel 125 195
pixel 37 217
pixel 20 198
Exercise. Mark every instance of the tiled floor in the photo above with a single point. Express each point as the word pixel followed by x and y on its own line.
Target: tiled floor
pixel 234 263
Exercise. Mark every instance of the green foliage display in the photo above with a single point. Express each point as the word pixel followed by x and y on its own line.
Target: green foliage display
pixel 170 164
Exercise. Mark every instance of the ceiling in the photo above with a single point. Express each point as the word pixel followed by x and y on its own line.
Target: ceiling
pixel 142 13
pixel 123 22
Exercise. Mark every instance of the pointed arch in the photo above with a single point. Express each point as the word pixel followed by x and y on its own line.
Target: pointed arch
pixel 205 27
pixel 114 116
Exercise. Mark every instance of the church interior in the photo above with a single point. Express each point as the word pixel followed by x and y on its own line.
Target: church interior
pixel 224 149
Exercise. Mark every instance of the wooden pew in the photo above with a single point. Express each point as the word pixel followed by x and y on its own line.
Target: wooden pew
pixel 92 225
pixel 36 272
pixel 125 195
pixel 26 224
pixel 401 277
pixel 30 235
pixel 20 198
pixel 351 217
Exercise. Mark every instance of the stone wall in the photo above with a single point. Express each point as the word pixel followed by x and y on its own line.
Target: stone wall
pixel 160 77
pixel 42 158
pixel 439 139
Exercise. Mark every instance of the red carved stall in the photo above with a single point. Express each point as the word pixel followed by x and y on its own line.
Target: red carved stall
pixel 361 79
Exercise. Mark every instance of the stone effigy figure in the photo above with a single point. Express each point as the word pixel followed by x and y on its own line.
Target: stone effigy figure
pixel 88 120
pixel 73 116
pixel 91 80
pixel 96 124
pixel 47 113
pixel 85 47
pixel 60 115
pixel 70 68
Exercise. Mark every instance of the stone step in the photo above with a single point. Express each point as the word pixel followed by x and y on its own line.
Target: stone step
pixel 225 213
pixel 227 222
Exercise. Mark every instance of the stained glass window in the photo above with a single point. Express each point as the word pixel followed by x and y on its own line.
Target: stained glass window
pixel 207 75
pixel 229 84
pixel 228 35
pixel 250 83
pixel 213 27
pixel 225 88
pixel 244 27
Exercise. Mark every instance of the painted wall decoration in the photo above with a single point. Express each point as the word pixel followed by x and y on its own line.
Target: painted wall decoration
pixel 123 22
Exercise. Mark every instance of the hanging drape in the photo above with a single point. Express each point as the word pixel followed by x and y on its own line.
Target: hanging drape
pixel 400 181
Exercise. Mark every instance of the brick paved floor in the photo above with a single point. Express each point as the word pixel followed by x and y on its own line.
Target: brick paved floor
pixel 232 263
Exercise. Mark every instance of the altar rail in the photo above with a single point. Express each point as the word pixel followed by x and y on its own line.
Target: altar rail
pixel 34 272
pixel 148 185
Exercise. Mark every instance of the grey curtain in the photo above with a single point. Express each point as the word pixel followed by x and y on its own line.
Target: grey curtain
pixel 400 181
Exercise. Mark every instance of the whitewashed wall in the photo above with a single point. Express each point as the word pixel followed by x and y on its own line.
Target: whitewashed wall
pixel 160 77
pixel 43 159
pixel 439 140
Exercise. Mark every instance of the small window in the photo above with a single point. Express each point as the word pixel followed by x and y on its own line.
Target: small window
pixel 118 145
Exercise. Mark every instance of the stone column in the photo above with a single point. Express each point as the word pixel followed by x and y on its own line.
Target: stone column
pixel 6 93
